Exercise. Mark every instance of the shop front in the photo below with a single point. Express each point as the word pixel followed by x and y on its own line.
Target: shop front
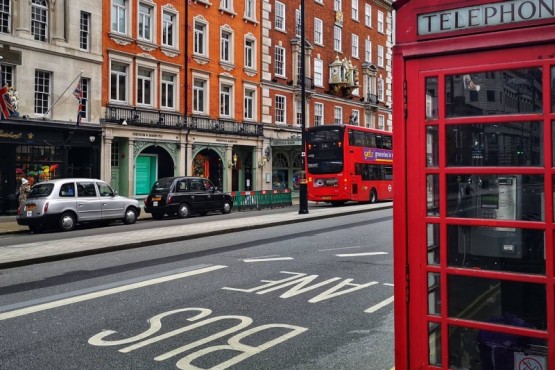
pixel 474 173
pixel 42 151
pixel 286 164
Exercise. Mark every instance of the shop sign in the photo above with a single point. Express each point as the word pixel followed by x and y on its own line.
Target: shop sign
pixel 147 135
pixel 289 142
pixel 486 15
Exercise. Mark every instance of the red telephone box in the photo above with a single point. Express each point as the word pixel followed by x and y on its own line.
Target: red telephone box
pixel 474 125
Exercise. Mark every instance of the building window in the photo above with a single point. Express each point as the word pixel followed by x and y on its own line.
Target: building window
pixel 336 38
pixel 226 5
pixel 380 89
pixel 119 17
pixel 42 91
pixel 368 15
pixel 250 52
pixel 250 101
pixel 118 82
pixel 318 114
pixel 5 16
pixel 249 9
pixel 226 95
pixel 39 20
pixel 279 22
pixel 380 22
pixel 381 122
pixel 168 29
pixel 354 46
pixel 279 63
pixel 114 158
pixel 368 51
pixel 167 88
pixel 280 109
pixel 200 38
pixel 380 56
pixel 318 72
pixel 318 31
pixel 144 86
pixel 354 9
pixel 337 5
pixel 298 23
pixel 199 95
pixel 337 115
pixel 84 31
pixel 85 91
pixel 6 75
pixel 354 119
pixel 226 46
pixel 299 114
pixel 145 22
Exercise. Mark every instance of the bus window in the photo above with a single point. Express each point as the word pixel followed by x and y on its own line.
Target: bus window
pixel 388 172
pixel 379 141
pixel 371 140
pixel 360 139
pixel 387 142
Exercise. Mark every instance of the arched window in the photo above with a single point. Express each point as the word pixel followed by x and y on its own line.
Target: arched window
pixel 39 20
pixel 280 171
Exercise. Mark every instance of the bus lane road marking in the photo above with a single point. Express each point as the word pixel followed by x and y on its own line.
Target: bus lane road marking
pixel 382 304
pixel 267 259
pixel 47 303
pixel 361 254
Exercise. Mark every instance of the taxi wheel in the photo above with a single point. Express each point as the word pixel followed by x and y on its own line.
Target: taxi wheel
pixel 67 221
pixel 130 216
pixel 226 208
pixel 183 210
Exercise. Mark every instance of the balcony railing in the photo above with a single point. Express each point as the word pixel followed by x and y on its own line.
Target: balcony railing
pixel 145 117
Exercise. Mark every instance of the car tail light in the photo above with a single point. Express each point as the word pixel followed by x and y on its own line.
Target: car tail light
pixel 169 199
pixel 45 207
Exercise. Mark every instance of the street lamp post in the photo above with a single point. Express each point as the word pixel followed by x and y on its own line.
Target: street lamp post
pixel 303 191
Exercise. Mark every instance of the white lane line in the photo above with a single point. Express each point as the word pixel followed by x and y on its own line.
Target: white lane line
pixel 268 259
pixel 376 307
pixel 388 284
pixel 361 254
pixel 103 293
pixel 336 249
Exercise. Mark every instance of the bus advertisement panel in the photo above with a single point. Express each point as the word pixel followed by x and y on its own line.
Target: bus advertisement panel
pixel 348 163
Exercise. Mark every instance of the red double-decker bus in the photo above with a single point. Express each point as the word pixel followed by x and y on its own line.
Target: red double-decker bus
pixel 348 163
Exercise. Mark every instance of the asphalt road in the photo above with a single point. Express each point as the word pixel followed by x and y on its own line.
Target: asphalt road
pixel 313 295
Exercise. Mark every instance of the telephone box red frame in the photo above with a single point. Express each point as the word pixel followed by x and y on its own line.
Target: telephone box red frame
pixel 519 44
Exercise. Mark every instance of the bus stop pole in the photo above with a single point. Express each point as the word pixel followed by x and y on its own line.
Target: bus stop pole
pixel 303 191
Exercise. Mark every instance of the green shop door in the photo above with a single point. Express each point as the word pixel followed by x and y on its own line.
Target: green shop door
pixel 145 173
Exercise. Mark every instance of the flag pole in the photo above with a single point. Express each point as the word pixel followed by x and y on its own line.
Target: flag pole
pixel 57 100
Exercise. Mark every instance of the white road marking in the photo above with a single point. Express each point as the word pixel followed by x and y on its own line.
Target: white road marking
pixel 382 304
pixel 106 292
pixel 268 259
pixel 388 284
pixel 361 254
pixel 336 249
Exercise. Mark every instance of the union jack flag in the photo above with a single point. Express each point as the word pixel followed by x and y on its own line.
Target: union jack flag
pixel 5 103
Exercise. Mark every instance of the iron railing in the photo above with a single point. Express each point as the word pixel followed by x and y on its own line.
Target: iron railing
pixel 147 117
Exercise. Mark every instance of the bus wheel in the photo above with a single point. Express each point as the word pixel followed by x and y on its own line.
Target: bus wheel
pixel 373 196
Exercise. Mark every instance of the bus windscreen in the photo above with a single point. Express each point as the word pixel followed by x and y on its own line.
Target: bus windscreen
pixel 325 150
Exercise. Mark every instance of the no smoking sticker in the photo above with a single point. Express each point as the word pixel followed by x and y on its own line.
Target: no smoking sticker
pixel 529 362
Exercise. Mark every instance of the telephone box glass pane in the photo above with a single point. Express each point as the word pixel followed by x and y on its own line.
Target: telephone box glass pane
pixel 434 294
pixel 432 189
pixel 499 249
pixel 432 153
pixel 487 350
pixel 499 197
pixel 513 303
pixel 431 97
pixel 434 341
pixel 433 244
pixel 510 91
pixel 499 144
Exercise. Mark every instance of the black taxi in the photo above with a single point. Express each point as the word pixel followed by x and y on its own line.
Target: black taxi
pixel 182 196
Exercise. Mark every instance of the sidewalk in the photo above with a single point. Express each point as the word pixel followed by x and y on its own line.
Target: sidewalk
pixel 36 252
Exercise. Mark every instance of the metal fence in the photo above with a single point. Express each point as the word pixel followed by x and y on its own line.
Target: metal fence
pixel 260 199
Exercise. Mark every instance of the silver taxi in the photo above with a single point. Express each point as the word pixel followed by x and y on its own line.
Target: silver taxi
pixel 64 203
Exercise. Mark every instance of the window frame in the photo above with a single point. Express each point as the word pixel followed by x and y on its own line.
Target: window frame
pixel 145 22
pixel 318 72
pixel 279 65
pixel 119 14
pixel 247 98
pixel 250 52
pixel 205 94
pixel 169 27
pixel 354 46
pixel 119 85
pixel 280 109
pixel 368 15
pixel 318 114
pixel 337 38
pixel 6 17
pixel 318 31
pixel 40 27
pixel 381 21
pixel 229 112
pixel 337 115
pixel 226 46
pixel 146 83
pixel 279 16
pixel 45 96
pixel 200 38
pixel 354 10
pixel 84 31
pixel 167 88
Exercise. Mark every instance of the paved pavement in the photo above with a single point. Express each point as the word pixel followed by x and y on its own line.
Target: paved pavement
pixel 43 251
